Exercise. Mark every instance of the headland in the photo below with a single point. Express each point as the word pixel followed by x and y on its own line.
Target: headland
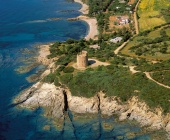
pixel 130 96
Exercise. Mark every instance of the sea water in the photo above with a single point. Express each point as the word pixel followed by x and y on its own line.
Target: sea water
pixel 25 24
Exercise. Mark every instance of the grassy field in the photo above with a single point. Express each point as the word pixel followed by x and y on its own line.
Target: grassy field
pixel 150 13
pixel 149 49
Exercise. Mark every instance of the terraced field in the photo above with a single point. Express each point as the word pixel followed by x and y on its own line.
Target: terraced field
pixel 150 13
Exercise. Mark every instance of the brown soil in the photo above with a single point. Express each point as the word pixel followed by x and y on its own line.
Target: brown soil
pixel 131 2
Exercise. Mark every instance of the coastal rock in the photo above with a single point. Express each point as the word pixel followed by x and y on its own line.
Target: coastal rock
pixel 110 105
pixel 55 100
pixel 134 109
pixel 82 104
pixel 73 19
pixel 43 95
pixel 167 122
pixel 167 128
pixel 140 112
pixel 53 19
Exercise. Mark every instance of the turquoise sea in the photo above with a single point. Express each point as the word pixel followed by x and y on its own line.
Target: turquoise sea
pixel 25 24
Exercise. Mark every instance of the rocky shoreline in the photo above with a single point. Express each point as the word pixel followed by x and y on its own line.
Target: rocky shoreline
pixel 57 100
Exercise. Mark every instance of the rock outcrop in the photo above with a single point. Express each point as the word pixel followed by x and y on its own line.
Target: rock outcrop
pixel 82 104
pixel 57 100
pixel 110 105
pixel 43 95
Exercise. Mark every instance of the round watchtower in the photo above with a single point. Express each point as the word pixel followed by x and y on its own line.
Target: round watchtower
pixel 82 59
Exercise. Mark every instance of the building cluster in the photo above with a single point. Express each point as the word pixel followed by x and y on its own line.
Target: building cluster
pixel 122 20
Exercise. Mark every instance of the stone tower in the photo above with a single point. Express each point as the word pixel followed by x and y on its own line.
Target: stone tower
pixel 82 59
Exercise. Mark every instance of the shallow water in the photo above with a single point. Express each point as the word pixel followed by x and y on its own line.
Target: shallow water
pixel 23 25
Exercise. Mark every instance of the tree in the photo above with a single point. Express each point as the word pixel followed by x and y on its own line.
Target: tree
pixel 138 52
pixel 68 70
pixel 163 49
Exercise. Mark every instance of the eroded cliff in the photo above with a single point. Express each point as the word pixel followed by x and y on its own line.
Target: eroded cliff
pixel 57 100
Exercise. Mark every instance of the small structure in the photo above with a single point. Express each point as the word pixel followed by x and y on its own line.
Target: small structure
pixel 82 59
pixel 122 1
pixel 116 40
pixel 128 8
pixel 122 20
pixel 94 46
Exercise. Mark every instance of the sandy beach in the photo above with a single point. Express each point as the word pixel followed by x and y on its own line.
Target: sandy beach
pixel 92 22
pixel 92 33
pixel 85 8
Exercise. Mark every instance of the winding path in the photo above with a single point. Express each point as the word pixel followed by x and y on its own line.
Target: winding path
pixel 149 77
pixel 131 68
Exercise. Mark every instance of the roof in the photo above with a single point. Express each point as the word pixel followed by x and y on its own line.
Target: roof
pixel 94 46
pixel 115 40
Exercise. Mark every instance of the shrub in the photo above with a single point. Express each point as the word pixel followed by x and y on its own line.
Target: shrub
pixel 60 68
pixel 70 41
pixel 56 82
pixel 49 78
pixel 66 78
pixel 102 59
pixel 68 70
pixel 63 60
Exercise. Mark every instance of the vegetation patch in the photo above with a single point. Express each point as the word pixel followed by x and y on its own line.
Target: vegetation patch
pixel 153 45
pixel 67 51
pixel 152 13
pixel 68 70
pixel 143 66
pixel 114 81
pixel 162 77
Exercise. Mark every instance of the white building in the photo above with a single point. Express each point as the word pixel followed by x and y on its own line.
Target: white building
pixel 94 46
pixel 116 40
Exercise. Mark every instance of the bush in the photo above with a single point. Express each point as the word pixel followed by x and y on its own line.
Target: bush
pixel 102 59
pixel 89 69
pixel 63 60
pixel 68 70
pixel 56 82
pixel 60 68
pixel 70 41
pixel 49 78
pixel 66 78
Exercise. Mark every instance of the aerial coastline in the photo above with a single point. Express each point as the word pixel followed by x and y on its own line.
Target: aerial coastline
pixel 133 109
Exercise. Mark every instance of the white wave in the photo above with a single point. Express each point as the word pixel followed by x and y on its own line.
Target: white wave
pixel 34 21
